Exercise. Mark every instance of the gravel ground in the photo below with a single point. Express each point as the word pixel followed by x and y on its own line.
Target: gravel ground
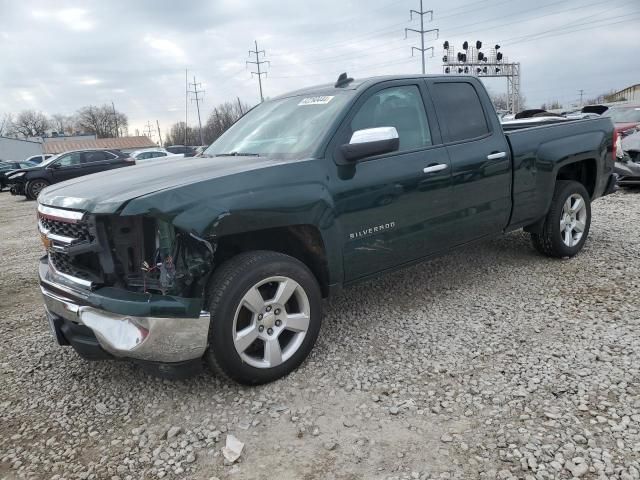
pixel 492 362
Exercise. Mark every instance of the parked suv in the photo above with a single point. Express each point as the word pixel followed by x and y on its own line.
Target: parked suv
pixel 68 165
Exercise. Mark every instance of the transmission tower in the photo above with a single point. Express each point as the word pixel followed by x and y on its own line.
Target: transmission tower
pixel 257 63
pixel 422 33
pixel 197 99
pixel 148 130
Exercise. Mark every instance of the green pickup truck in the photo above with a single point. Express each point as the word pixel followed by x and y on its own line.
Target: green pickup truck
pixel 227 257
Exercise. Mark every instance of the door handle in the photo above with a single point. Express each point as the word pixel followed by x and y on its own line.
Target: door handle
pixel 435 168
pixel 496 156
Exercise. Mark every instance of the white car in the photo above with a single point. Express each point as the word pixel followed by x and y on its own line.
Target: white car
pixel 151 153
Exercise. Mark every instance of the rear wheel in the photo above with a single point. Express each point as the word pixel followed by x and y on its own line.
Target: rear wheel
pixel 265 316
pixel 34 187
pixel 567 224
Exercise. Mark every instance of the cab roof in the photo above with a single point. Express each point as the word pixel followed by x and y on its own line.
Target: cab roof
pixel 358 84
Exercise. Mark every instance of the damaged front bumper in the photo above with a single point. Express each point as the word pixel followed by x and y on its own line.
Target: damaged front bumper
pixel 628 172
pixel 109 322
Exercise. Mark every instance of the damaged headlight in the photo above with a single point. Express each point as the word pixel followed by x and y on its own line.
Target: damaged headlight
pixel 180 264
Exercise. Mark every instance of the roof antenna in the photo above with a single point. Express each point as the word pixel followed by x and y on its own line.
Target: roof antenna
pixel 343 80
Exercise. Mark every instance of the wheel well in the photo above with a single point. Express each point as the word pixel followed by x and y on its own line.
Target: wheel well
pixel 303 242
pixel 584 171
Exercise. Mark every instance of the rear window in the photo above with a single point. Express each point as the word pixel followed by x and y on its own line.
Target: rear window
pixel 460 111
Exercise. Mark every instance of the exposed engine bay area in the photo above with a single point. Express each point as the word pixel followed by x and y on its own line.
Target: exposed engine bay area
pixel 137 253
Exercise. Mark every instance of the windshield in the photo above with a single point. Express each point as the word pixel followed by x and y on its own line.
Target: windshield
pixel 624 115
pixel 287 128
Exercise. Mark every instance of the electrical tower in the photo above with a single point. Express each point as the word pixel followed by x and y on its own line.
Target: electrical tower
pixel 581 97
pixel 257 63
pixel 474 61
pixel 148 130
pixel 197 99
pixel 422 33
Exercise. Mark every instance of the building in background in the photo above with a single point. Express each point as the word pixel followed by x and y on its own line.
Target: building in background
pixel 629 94
pixel 15 149
pixel 57 145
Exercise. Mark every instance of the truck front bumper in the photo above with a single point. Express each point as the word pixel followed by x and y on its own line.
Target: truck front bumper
pixel 76 319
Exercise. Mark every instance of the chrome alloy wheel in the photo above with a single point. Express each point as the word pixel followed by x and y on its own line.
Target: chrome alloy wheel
pixel 573 220
pixel 271 322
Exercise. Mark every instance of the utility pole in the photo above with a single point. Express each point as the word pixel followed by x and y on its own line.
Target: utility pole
pixel 257 63
pixel 159 134
pixel 195 91
pixel 115 117
pixel 240 106
pixel 422 33
pixel 186 104
pixel 581 97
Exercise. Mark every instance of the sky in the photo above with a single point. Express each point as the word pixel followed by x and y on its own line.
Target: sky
pixel 56 57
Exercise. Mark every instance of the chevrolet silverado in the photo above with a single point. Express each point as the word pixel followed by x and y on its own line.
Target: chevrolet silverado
pixel 227 257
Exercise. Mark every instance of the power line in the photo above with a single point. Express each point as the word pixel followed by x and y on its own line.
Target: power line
pixel 196 92
pixel 257 63
pixel 422 33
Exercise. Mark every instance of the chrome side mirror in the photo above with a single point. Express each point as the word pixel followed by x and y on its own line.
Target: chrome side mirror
pixel 370 142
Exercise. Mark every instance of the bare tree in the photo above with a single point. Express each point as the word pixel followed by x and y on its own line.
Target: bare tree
pixel 6 124
pixel 175 136
pixel 222 117
pixel 101 121
pixel 63 124
pixel 501 101
pixel 30 123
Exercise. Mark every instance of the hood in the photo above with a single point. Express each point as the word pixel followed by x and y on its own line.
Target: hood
pixel 30 169
pixel 108 192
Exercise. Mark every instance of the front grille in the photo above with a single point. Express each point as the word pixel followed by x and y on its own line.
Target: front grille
pixel 64 264
pixel 79 231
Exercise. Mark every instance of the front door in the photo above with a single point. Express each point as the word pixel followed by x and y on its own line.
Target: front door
pixel 390 210
pixel 67 167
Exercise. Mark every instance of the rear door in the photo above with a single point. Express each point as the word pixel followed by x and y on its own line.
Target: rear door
pixel 480 159
pixel 390 210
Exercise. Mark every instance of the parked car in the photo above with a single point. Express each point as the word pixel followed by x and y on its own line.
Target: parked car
pixel 151 153
pixel 6 167
pixel 38 159
pixel 186 151
pixel 628 161
pixel 624 117
pixel 66 166
pixel 227 257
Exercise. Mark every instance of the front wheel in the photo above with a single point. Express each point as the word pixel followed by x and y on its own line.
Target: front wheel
pixel 34 187
pixel 265 316
pixel 567 224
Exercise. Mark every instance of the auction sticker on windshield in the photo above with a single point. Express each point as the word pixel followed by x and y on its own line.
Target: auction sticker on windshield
pixel 316 100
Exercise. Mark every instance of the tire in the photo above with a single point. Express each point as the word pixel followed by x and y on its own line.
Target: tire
pixel 251 357
pixel 34 187
pixel 559 236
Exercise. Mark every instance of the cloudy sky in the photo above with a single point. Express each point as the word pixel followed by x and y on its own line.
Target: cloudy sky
pixel 58 56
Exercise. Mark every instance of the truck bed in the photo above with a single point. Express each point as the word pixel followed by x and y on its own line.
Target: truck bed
pixel 539 152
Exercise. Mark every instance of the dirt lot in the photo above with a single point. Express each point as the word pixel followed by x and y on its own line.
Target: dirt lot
pixel 493 362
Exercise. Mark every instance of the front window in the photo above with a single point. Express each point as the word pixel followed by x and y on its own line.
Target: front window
pixel 287 128
pixel 69 160
pixel 624 115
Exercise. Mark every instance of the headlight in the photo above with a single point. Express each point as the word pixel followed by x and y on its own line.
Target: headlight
pixel 16 175
pixel 619 151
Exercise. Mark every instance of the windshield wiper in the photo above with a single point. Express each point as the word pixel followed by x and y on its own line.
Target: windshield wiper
pixel 237 154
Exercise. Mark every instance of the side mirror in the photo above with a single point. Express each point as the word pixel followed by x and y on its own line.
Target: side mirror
pixel 370 142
